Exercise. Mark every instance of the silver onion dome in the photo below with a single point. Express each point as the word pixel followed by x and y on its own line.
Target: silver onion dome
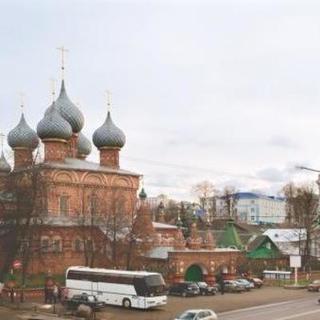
pixel 84 145
pixel 4 165
pixel 69 111
pixel 22 136
pixel 109 135
pixel 53 125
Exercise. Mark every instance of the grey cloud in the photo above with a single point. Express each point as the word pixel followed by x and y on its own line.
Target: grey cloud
pixel 283 142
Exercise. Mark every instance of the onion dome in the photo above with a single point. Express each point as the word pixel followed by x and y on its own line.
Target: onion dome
pixel 53 125
pixel 69 111
pixel 4 165
pixel 109 135
pixel 22 136
pixel 142 194
pixel 84 145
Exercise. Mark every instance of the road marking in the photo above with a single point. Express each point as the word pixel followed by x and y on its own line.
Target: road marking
pixel 298 315
pixel 270 305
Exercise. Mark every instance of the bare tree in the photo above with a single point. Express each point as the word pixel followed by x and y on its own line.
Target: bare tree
pixel 229 200
pixel 22 221
pixel 302 206
pixel 289 191
pixel 118 223
pixel 205 192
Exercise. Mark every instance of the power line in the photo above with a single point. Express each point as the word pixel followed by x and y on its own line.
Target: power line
pixel 185 167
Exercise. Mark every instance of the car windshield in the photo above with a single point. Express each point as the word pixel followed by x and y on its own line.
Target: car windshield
pixel 91 298
pixel 192 286
pixel 187 315
pixel 242 281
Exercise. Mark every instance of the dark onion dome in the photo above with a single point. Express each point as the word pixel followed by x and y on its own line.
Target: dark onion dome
pixel 142 194
pixel 84 145
pixel 69 111
pixel 4 165
pixel 53 125
pixel 109 135
pixel 22 136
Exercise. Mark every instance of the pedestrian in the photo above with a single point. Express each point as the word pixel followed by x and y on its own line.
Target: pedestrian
pixel 50 295
pixel 55 293
pixel 46 294
pixel 221 283
pixel 59 293
pixel 12 295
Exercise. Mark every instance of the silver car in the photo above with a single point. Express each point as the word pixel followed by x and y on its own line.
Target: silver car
pixel 198 314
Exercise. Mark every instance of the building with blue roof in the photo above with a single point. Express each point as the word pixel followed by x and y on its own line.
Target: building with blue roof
pixel 255 208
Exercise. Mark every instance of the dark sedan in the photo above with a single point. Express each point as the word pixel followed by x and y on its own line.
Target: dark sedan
pixel 205 289
pixel 184 289
pixel 86 299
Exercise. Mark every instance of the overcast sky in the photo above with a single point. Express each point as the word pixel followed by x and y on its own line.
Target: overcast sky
pixel 226 91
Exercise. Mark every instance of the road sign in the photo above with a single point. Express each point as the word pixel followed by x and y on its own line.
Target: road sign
pixel 295 261
pixel 16 264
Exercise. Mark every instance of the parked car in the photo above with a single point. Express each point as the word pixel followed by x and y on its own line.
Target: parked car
pixel 314 286
pixel 233 286
pixel 184 289
pixel 204 314
pixel 247 284
pixel 205 289
pixel 257 282
pixel 86 299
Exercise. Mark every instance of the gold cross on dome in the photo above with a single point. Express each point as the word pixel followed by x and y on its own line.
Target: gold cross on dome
pixel 22 96
pixel 63 51
pixel 109 99
pixel 53 88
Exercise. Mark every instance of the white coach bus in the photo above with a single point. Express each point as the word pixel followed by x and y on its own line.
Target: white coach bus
pixel 136 289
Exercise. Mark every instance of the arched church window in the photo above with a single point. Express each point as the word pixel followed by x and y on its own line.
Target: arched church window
pixel 93 204
pixel 57 244
pixel 45 244
pixel 89 245
pixel 78 245
pixel 64 205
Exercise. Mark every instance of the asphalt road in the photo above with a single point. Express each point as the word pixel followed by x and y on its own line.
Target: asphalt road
pixel 6 314
pixel 266 303
pixel 219 303
pixel 306 308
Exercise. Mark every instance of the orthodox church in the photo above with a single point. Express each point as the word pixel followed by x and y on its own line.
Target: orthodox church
pixel 76 209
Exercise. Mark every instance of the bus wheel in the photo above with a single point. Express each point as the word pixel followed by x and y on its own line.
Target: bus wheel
pixel 126 303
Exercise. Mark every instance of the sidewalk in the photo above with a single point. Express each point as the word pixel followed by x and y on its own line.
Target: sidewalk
pixel 36 310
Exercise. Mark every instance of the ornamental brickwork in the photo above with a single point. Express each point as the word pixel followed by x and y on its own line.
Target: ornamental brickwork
pixel 77 212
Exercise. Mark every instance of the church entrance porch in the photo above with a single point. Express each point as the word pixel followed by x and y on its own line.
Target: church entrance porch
pixel 202 265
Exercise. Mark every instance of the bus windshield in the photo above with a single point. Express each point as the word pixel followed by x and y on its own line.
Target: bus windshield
pixel 155 284
pixel 149 286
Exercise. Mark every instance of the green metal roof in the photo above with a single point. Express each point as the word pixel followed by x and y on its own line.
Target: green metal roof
pixel 263 248
pixel 230 237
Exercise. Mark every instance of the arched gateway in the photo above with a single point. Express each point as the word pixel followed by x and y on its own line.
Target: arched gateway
pixel 194 273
